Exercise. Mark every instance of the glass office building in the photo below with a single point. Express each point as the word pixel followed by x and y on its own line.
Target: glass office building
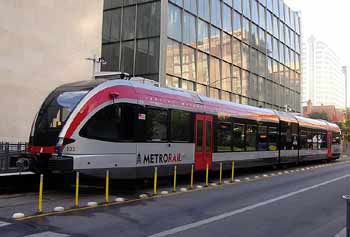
pixel 245 51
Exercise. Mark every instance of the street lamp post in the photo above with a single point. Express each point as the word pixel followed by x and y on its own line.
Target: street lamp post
pixel 97 62
pixel 301 104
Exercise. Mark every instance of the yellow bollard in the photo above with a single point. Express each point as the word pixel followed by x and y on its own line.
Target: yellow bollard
pixel 76 201
pixel 40 201
pixel 155 181
pixel 233 172
pixel 107 186
pixel 191 184
pixel 220 178
pixel 174 188
pixel 207 175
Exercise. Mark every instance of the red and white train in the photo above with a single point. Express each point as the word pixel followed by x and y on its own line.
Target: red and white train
pixel 128 128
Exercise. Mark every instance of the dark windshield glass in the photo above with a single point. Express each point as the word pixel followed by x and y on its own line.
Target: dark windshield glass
pixel 53 114
pixel 56 113
pixel 336 138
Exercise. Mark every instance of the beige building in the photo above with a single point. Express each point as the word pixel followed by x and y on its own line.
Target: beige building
pixel 43 44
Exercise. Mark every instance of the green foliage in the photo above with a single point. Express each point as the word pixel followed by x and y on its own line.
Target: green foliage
pixel 345 126
pixel 319 115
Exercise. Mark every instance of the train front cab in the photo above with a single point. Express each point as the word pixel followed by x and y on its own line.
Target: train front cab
pixel 335 144
pixel 50 121
pixel 313 143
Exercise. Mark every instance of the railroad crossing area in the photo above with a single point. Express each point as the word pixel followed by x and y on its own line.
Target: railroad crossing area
pixel 273 201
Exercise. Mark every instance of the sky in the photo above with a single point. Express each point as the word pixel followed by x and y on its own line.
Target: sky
pixel 328 21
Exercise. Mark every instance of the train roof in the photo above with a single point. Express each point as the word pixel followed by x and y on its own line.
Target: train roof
pixel 333 127
pixel 286 117
pixel 312 123
pixel 195 102
pixel 81 85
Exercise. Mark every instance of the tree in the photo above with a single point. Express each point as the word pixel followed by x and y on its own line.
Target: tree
pixel 345 126
pixel 319 115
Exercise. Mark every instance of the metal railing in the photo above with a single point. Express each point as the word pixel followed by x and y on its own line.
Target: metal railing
pixel 9 154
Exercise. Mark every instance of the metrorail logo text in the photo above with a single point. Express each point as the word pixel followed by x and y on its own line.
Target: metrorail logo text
pixel 156 158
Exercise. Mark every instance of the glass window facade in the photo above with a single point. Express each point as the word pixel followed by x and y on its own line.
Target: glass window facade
pixel 236 50
pixel 215 13
pixel 131 37
pixel 189 29
pixel 215 41
pixel 148 20
pixel 147 56
pixel 188 63
pixel 174 22
pixel 227 18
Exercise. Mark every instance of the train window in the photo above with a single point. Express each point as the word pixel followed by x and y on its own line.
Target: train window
pixel 294 137
pixel 156 125
pixel 57 107
pixel 336 138
pixel 273 138
pixel 199 145
pixel 319 140
pixel 251 138
pixel 294 142
pixel 323 140
pixel 315 143
pixel 283 142
pixel 289 138
pixel 208 137
pixel 180 126
pixel 310 136
pixel 303 139
pixel 262 138
pixel 112 123
pixel 224 137
pixel 294 128
pixel 238 137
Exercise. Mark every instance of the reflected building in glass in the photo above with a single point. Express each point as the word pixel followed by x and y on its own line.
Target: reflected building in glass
pixel 245 51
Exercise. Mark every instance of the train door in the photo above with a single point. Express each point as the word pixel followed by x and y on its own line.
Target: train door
pixel 203 141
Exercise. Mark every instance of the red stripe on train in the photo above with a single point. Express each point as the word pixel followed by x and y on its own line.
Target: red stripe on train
pixel 42 149
pixel 95 101
pixel 129 92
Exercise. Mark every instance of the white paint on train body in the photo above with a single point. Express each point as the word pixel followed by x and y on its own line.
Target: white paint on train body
pixel 289 153
pixel 103 155
pixel 250 155
pixel 313 152
pixel 151 154
pixel 336 148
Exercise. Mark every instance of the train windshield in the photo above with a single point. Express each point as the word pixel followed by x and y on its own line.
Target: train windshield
pixel 57 112
pixel 336 138
pixel 53 115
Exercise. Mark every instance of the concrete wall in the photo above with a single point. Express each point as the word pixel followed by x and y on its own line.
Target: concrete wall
pixel 43 43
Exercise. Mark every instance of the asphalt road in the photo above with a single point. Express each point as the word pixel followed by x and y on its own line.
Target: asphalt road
pixel 304 203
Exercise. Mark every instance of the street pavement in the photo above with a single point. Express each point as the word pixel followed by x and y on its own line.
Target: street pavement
pixel 293 202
